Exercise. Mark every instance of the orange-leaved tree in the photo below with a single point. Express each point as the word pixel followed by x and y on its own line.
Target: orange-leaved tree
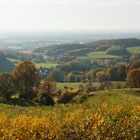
pixel 26 77
pixel 133 78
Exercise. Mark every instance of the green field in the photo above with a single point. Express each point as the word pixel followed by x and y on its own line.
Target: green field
pixel 38 65
pixel 68 84
pixel 45 65
pixel 15 61
pixel 134 49
pixel 115 96
pixel 76 84
pixel 99 55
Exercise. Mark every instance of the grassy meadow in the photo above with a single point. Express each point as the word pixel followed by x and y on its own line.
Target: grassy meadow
pixel 101 54
pixel 134 49
pixel 38 65
pixel 104 55
pixel 96 84
pixel 113 114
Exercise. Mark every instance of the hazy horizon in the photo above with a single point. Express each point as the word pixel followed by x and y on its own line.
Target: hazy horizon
pixel 69 16
pixel 32 40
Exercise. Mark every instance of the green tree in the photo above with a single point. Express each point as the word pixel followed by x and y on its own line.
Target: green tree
pixel 6 85
pixel 118 72
pixel 26 77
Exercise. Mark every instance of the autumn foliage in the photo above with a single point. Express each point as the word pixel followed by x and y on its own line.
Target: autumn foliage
pixel 76 122
pixel 26 77
pixel 133 78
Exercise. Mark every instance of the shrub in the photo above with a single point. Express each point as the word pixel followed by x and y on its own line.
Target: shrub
pixel 68 96
pixel 102 76
pixel 28 95
pixel 46 99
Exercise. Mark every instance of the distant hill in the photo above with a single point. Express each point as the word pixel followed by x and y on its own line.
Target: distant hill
pixel 103 45
pixel 70 51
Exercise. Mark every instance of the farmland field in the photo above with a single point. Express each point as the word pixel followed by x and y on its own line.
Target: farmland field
pixel 76 84
pixel 45 65
pixel 68 84
pixel 99 55
pixel 15 61
pixel 134 49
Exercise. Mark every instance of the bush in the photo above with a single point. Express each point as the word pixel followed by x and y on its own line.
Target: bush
pixel 68 96
pixel 102 76
pixel 29 95
pixel 46 99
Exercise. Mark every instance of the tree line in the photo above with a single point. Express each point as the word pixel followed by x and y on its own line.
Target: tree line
pixel 80 71
pixel 26 83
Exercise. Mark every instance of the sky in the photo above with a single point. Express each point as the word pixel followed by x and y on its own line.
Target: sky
pixel 69 15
